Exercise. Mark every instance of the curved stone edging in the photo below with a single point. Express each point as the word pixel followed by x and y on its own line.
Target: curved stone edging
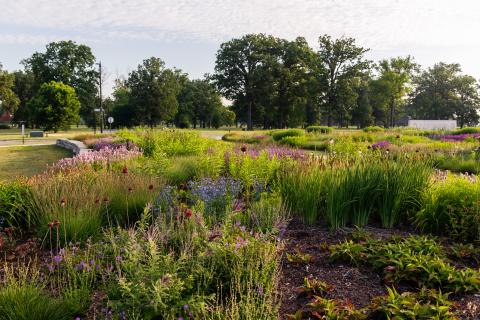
pixel 77 147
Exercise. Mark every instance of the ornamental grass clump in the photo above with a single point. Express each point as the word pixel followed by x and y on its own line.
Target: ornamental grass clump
pixel 451 207
pixel 372 190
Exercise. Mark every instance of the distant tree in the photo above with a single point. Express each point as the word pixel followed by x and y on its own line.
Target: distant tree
pixel 120 107
pixel 153 92
pixel 8 97
pixel 55 106
pixel 342 61
pixel 242 71
pixel 199 103
pixel 468 105
pixel 392 86
pixel 24 89
pixel 442 92
pixel 362 114
pixel 72 64
pixel 294 71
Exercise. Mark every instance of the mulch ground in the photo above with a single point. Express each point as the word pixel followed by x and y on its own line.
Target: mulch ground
pixel 356 285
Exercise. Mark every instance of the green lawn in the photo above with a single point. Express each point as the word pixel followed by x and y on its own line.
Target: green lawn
pixel 27 161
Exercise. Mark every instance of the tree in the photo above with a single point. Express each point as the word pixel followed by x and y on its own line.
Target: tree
pixel 55 106
pixel 342 61
pixel 242 71
pixel 393 85
pixel 24 89
pixel 153 92
pixel 199 104
pixel 72 64
pixel 8 97
pixel 442 92
pixel 362 115
pixel 120 107
pixel 294 71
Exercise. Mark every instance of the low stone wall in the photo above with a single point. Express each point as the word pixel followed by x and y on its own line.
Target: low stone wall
pixel 77 147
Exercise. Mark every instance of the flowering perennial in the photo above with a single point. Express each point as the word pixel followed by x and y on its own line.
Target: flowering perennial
pixel 102 156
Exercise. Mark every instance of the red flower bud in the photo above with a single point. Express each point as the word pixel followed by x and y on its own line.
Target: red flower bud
pixel 125 170
pixel 150 187
pixel 188 212
pixel 243 148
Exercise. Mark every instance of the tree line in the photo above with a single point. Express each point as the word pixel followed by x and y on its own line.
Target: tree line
pixel 276 83
pixel 270 83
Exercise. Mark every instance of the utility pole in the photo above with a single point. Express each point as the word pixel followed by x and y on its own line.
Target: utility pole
pixel 101 102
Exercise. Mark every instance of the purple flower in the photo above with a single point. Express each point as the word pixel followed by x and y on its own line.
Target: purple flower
pixel 118 258
pixel 57 259
pixel 260 290
pixel 186 306
pixel 380 145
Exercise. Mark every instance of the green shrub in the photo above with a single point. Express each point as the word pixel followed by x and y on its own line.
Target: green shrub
pixel 319 129
pixel 242 138
pixel 4 126
pixel 451 208
pixel 294 141
pixel 278 135
pixel 467 130
pixel 373 129
pixel 14 204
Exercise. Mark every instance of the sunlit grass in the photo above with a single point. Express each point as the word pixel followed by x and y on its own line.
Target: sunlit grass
pixel 29 160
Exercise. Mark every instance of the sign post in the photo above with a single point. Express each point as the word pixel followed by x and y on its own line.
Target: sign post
pixel 23 133
pixel 110 121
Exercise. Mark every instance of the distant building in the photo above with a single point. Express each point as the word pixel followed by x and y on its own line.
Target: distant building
pixel 433 124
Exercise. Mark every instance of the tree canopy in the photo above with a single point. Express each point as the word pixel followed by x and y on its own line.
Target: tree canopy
pixel 55 106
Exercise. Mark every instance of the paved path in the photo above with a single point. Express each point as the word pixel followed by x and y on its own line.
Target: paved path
pixel 28 142
pixel 212 135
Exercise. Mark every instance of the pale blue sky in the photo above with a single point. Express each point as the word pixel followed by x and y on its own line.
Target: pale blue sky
pixel 187 33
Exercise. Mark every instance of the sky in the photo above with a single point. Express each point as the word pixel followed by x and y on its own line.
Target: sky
pixel 187 33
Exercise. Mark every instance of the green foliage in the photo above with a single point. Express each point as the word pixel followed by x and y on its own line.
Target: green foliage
pixel 426 304
pixel 419 261
pixel 367 191
pixel 153 92
pixel 8 97
pixel 14 207
pixel 84 201
pixel 299 258
pixel 236 137
pixel 467 130
pixel 451 208
pixel 294 141
pixel 55 106
pixel 69 63
pixel 319 129
pixel 373 129
pixel 21 298
pixel 168 142
pixel 278 135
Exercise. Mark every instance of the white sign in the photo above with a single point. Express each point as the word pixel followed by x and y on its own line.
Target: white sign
pixel 96 110
pixel 110 119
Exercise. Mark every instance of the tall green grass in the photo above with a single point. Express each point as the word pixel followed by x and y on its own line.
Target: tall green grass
pixel 375 191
